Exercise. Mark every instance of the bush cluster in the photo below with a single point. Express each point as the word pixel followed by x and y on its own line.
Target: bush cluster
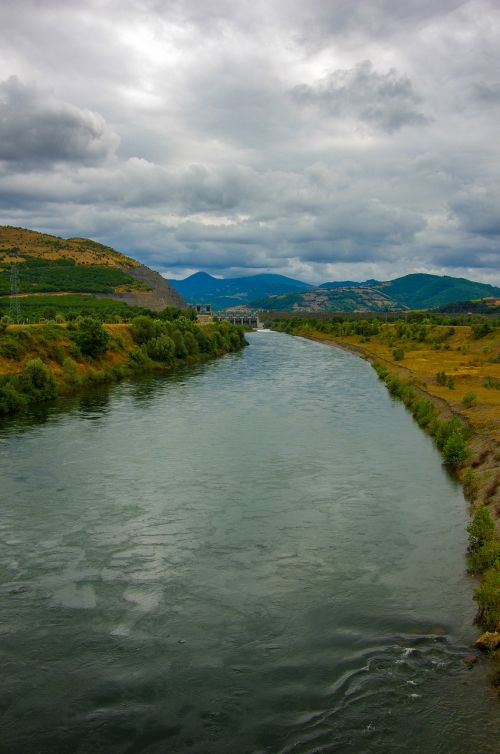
pixel 91 337
pixel 492 382
pixel 170 339
pixel 484 559
pixel 444 379
pixel 180 339
pixel 34 384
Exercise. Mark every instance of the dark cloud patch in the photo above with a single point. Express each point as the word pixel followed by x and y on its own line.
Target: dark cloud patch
pixel 37 128
pixel 384 100
pixel 478 211
pixel 468 255
pixel 373 18
pixel 487 92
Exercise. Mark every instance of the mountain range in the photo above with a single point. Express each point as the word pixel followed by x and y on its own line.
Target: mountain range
pixel 224 293
pixel 280 293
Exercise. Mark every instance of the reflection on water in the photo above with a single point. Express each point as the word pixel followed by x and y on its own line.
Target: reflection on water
pixel 259 555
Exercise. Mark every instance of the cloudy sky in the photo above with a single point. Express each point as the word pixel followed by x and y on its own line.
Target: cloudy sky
pixel 325 140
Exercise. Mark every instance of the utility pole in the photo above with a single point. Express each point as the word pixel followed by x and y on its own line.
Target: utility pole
pixel 14 308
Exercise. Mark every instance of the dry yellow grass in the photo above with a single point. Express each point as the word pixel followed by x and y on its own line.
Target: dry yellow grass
pixel 466 360
pixel 17 243
pixel 109 359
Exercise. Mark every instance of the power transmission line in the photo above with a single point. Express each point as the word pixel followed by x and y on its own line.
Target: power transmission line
pixel 14 307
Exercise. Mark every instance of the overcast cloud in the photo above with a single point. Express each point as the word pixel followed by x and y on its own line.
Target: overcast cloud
pixel 324 140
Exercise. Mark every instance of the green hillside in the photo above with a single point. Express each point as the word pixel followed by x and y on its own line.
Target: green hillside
pixel 37 275
pixel 48 264
pixel 417 291
pixel 421 291
pixel 357 299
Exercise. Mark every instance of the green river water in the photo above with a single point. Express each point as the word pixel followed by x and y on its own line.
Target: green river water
pixel 261 555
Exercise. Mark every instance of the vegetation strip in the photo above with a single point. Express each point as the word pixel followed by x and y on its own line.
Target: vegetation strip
pixel 39 362
pixel 469 447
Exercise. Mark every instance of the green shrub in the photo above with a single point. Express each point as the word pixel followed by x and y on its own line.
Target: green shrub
pixel 455 450
pixel 491 382
pixel 180 347
pixel 398 354
pixel 161 348
pixel 380 369
pixel 481 329
pixel 486 556
pixel 469 399
pixel 57 353
pixel 481 529
pixel 450 383
pixel 13 345
pixel 11 400
pixel 470 483
pixel 424 411
pixel 393 385
pixel 191 343
pixel 71 374
pixel 441 378
pixel 91 337
pixel 36 382
pixel 143 329
pixel 138 359
pixel 487 595
pixel 445 429
pixel 204 342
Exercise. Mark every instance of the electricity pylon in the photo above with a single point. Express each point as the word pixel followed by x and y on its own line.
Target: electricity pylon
pixel 14 308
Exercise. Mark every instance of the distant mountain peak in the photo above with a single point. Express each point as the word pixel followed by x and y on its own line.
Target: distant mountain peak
pixel 201 275
pixel 226 293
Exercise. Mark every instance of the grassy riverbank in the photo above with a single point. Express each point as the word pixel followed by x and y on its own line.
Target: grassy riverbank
pixel 40 362
pixel 449 378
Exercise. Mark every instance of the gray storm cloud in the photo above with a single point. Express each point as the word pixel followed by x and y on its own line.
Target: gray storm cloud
pixel 384 100
pixel 323 140
pixel 37 128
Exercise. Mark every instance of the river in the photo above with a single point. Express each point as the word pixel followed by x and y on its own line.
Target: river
pixel 261 555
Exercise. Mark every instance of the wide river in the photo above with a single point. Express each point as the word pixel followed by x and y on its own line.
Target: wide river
pixel 260 555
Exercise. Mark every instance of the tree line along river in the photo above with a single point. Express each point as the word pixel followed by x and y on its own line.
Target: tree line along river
pixel 260 555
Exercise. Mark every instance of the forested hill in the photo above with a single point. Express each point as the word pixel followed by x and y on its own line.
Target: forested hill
pixel 416 291
pixel 50 264
pixel 421 291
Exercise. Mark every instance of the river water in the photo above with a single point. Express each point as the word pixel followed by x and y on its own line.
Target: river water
pixel 260 555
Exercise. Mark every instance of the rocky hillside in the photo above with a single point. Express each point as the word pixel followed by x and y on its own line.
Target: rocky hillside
pixel 49 264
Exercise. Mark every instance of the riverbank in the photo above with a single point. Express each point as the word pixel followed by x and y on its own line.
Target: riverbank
pixel 40 362
pixel 450 383
pixel 256 555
